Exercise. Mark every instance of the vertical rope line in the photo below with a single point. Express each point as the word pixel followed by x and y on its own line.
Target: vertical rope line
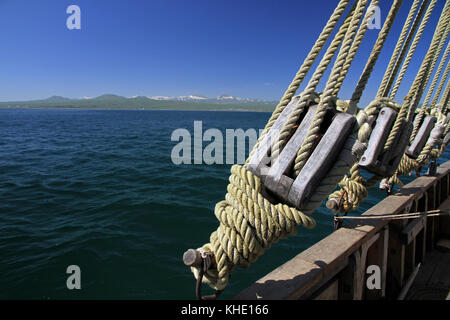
pixel 435 60
pixel 445 98
pixel 311 87
pixel 304 69
pixel 355 45
pixel 419 83
pixel 397 49
pixel 405 47
pixel 413 47
pixel 379 44
pixel 441 85
pixel 438 72
pixel 421 114
pixel 307 146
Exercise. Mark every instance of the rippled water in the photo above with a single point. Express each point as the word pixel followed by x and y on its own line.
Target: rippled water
pixel 98 189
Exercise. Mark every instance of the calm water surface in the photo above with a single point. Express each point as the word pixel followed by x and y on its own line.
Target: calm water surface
pixel 98 189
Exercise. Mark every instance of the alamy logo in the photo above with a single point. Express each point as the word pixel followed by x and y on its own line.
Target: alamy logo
pixel 189 149
pixel 74 20
pixel 74 280
pixel 373 277
pixel 375 22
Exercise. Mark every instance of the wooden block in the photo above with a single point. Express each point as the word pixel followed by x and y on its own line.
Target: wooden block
pixel 378 137
pixel 277 180
pixel 321 160
pixel 421 136
pixel 260 156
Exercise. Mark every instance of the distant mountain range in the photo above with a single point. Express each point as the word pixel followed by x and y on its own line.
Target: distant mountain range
pixel 111 101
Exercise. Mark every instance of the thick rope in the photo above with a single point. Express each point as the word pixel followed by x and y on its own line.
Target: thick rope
pixel 421 114
pixel 379 44
pixel 420 82
pixel 445 99
pixel 307 145
pixel 249 222
pixel 439 69
pixel 353 188
pixel 304 69
pixel 312 85
pixel 413 98
pixel 413 47
pixel 441 85
pixel 405 48
pixel 355 46
pixel 396 53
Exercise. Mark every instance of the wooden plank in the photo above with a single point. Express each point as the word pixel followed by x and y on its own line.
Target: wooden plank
pixel 289 281
pixel 349 277
pixel 327 278
pixel 421 244
pixel 330 292
pixel 410 232
pixel 377 255
pixel 410 258
pixel 445 220
pixel 396 261
pixel 433 280
pixel 361 283
pixel 431 198
pixel 314 266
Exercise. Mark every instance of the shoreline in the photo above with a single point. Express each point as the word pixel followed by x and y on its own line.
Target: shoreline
pixel 131 108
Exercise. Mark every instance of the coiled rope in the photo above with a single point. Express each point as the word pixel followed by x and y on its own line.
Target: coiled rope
pixel 249 222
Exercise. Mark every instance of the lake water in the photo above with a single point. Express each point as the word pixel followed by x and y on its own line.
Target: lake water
pixel 98 189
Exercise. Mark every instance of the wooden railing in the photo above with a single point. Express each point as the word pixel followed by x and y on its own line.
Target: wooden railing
pixel 336 267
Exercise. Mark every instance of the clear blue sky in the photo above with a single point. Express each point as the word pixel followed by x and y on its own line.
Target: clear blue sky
pixel 247 48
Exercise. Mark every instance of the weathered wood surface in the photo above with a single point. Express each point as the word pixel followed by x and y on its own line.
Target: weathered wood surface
pixel 313 272
pixel 433 280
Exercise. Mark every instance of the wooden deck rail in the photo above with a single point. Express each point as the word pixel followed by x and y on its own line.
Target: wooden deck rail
pixel 336 267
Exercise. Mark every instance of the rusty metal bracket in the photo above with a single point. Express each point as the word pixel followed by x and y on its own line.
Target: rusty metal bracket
pixel 198 285
pixel 202 261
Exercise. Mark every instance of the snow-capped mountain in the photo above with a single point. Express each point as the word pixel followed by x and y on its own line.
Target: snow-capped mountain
pixel 161 98
pixel 192 97
pixel 223 98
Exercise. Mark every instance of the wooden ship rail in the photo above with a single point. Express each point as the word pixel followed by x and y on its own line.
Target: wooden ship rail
pixel 336 267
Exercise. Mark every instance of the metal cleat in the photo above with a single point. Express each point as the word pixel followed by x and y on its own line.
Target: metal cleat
pixel 277 176
pixel 422 136
pixel 374 159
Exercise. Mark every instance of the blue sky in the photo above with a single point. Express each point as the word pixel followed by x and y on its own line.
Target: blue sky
pixel 244 48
